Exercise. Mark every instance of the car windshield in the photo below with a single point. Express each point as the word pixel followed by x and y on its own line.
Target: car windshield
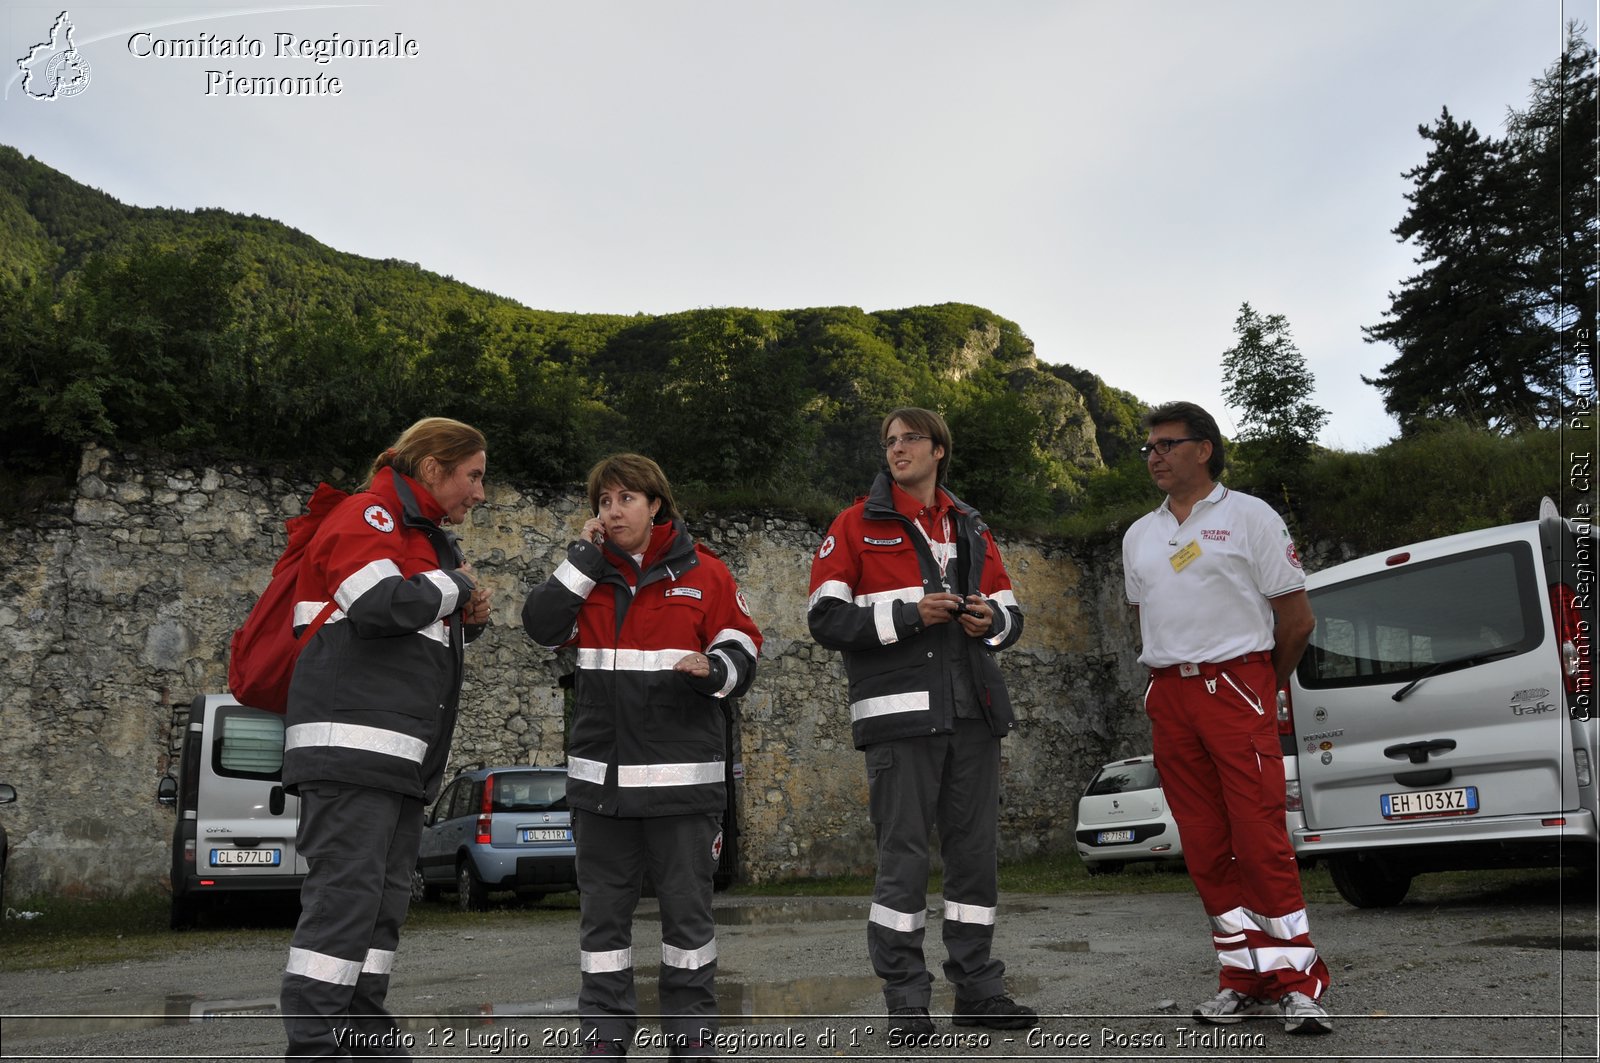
pixel 1122 778
pixel 529 792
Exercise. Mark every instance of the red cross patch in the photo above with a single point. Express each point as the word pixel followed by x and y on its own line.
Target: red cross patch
pixel 379 518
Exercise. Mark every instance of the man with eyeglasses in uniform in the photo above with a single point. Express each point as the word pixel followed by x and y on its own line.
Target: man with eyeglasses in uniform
pixel 908 585
pixel 1223 619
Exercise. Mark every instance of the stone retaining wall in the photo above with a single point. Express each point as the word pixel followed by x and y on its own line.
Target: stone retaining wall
pixel 118 606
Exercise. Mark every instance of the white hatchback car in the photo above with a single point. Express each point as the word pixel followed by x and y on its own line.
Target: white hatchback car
pixel 1123 816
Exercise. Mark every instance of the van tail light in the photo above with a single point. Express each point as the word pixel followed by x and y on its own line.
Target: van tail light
pixel 1572 640
pixel 486 811
pixel 188 851
pixel 1291 796
pixel 1580 760
pixel 1285 714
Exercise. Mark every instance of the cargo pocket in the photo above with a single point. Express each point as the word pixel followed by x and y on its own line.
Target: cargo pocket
pixel 880 783
pixel 879 760
pixel 1269 759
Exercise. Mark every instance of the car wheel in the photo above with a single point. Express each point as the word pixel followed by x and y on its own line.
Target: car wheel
pixel 421 888
pixel 1105 867
pixel 470 892
pixel 1369 881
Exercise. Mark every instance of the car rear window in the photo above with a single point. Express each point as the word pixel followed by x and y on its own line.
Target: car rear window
pixel 1123 778
pixel 529 791
pixel 249 744
pixel 1395 625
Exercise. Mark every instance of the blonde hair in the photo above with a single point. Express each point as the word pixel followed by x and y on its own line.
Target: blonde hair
pixel 446 441
pixel 636 473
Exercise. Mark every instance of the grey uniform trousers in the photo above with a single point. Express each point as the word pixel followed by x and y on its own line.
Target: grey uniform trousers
pixel 680 853
pixel 360 845
pixel 952 782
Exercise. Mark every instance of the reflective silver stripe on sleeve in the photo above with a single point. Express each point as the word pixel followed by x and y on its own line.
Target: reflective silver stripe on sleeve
pixel 321 968
pixel 733 634
pixel 829 589
pixel 379 961
pixel 1272 959
pixel 587 770
pixel 306 612
pixel 733 675
pixel 449 591
pixel 969 913
pixel 634 775
pixel 899 594
pixel 905 922
pixel 888 705
pixel 1283 927
pixel 363 580
pixel 689 959
pixel 573 579
pixel 605 962
pixel 437 632
pixel 355 736
pixel 883 620
pixel 1006 601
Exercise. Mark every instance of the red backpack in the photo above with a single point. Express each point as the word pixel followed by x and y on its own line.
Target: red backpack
pixel 263 652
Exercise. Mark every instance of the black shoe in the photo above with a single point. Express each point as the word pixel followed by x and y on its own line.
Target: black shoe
pixel 999 1012
pixel 910 1022
pixel 606 1048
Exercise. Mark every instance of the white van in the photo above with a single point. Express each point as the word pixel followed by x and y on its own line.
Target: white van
pixel 1443 713
pixel 235 831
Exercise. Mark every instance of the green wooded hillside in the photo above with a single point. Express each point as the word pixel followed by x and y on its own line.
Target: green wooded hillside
pixel 228 335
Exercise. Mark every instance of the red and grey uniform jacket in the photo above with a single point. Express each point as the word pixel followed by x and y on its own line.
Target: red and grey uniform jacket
pixel 646 740
pixel 866 579
pixel 374 696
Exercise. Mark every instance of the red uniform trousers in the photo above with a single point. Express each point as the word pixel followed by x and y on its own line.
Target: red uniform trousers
pixel 1216 748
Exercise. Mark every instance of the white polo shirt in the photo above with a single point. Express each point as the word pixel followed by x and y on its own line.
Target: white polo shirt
pixel 1202 586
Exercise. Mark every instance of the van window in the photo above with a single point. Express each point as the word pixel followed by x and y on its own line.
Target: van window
pixel 248 745
pixel 1395 625
pixel 1124 778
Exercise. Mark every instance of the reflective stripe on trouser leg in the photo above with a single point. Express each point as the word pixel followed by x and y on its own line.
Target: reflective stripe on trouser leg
pixel 683 868
pixel 610 875
pixel 342 904
pixel 1222 773
pixel 969 812
pixel 902 792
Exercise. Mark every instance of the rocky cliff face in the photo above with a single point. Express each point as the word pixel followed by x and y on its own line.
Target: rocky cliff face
pixel 119 607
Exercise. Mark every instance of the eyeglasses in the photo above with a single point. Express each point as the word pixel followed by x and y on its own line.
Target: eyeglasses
pixel 910 439
pixel 1164 446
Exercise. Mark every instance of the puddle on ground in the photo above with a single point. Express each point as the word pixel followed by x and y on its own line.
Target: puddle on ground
pixel 790 910
pixel 1574 943
pixel 1086 946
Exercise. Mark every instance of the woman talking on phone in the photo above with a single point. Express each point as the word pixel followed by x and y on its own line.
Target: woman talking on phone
pixel 372 707
pixel 663 636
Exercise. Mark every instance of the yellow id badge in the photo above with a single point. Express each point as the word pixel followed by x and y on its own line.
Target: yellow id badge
pixel 1181 559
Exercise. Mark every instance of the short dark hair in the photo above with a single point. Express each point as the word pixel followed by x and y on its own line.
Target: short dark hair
pixel 633 472
pixel 1197 422
pixel 929 424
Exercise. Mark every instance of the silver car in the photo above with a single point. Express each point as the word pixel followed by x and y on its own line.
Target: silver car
pixel 1442 712
pixel 502 828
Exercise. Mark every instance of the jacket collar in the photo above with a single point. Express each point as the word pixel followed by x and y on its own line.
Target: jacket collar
pixel 881 501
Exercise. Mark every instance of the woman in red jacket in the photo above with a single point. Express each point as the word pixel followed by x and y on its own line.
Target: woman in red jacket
pixel 372 707
pixel 663 637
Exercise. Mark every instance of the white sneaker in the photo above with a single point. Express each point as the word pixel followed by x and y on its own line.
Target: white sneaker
pixel 1301 1014
pixel 1230 1006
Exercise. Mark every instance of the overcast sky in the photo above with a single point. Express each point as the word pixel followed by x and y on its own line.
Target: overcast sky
pixel 1116 178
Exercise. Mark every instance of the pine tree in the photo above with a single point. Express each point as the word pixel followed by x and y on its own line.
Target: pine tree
pixel 1265 378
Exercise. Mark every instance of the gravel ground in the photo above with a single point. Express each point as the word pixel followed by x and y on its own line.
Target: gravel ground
pixel 1506 976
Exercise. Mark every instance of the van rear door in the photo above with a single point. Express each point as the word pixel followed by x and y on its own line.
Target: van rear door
pixel 246 823
pixel 1432 689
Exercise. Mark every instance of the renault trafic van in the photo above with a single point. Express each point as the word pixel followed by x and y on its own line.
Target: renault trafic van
pixel 1443 714
pixel 235 832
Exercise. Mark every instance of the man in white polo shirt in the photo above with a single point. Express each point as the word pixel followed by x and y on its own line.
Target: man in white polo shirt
pixel 1224 618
